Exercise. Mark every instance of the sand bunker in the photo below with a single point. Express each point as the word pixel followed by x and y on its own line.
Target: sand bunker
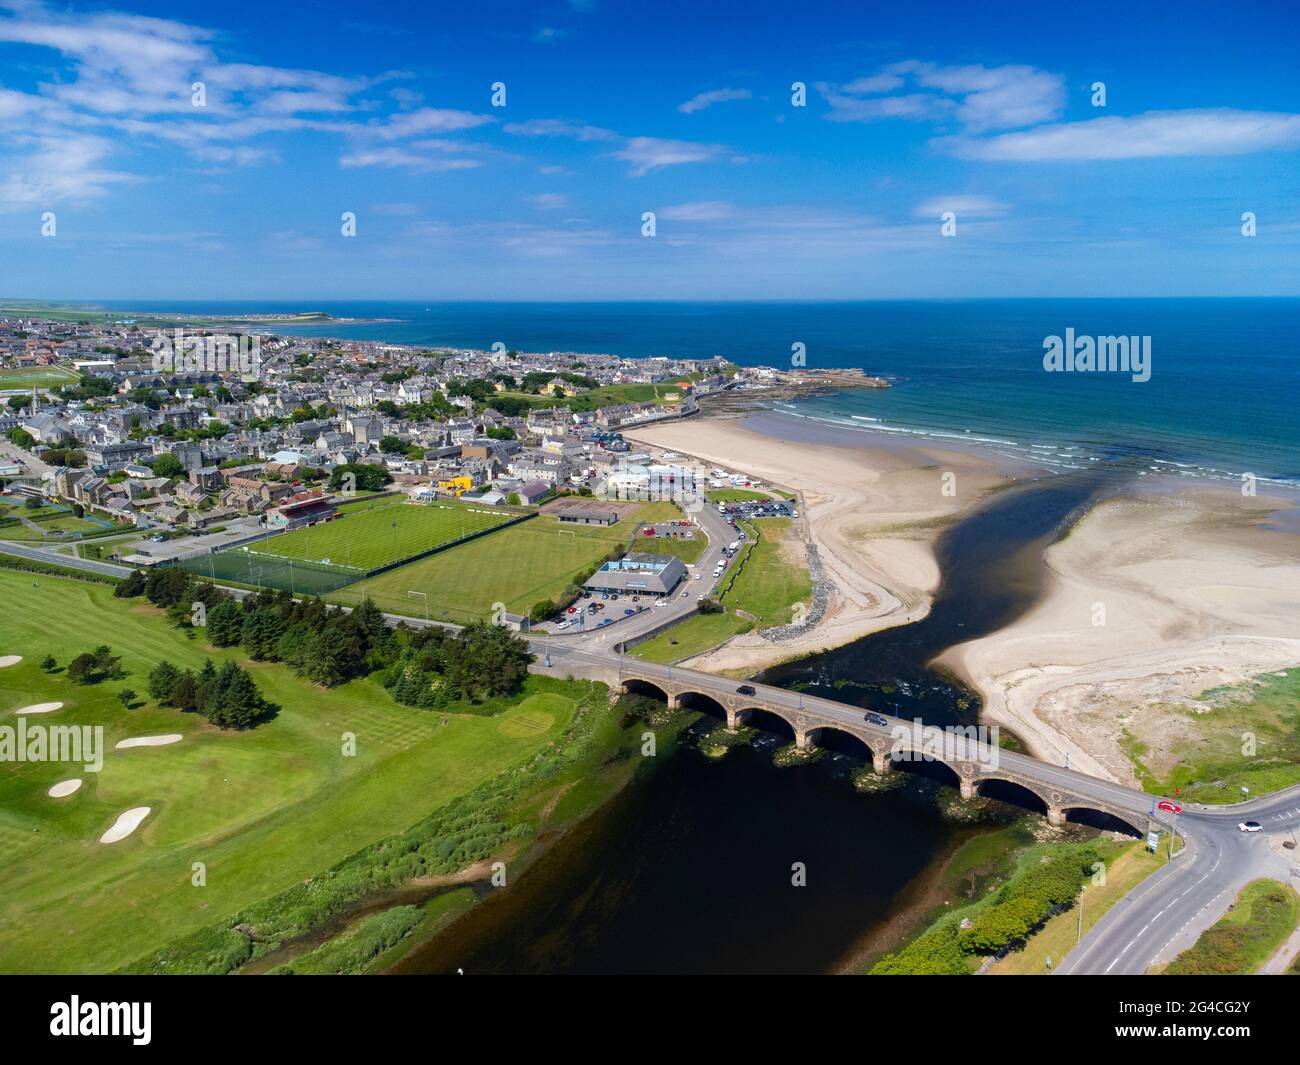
pixel 40 708
pixel 125 824
pixel 150 741
pixel 10 660
pixel 64 787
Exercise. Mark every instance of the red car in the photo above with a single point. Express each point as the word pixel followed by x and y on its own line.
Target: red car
pixel 1169 807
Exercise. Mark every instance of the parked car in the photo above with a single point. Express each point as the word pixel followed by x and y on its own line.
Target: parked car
pixel 686 595
pixel 1169 807
pixel 1250 826
pixel 572 610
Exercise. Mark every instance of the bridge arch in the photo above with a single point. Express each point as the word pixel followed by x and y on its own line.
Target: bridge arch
pixel 705 704
pixel 1003 789
pixel 834 738
pixel 767 720
pixel 636 686
pixel 931 768
pixel 1103 820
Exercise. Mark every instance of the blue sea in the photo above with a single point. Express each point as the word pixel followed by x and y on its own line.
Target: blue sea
pixel 1222 399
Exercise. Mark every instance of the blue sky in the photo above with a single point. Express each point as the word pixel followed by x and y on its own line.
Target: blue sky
pixel 617 109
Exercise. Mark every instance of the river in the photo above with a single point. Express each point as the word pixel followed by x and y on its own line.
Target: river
pixel 690 868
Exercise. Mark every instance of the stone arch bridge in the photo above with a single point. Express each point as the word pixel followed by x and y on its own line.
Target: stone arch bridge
pixel 974 764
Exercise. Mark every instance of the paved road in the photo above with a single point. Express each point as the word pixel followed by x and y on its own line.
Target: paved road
pixel 1169 910
pixel 48 554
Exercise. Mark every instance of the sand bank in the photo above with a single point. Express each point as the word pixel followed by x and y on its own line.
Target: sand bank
pixel 1151 599
pixel 64 788
pixel 873 508
pixel 9 660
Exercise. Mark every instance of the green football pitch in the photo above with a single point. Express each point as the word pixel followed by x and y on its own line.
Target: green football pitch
pixel 371 537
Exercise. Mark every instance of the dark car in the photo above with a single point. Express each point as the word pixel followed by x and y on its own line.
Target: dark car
pixel 745 689
pixel 875 719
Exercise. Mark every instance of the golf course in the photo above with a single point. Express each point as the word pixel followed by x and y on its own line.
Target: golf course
pixel 201 826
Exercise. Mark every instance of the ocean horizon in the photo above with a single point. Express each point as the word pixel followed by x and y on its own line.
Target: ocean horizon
pixel 1220 401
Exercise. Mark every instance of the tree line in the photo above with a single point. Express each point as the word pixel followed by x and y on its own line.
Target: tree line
pixel 423 667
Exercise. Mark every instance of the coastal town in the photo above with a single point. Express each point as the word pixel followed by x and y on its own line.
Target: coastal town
pixel 92 420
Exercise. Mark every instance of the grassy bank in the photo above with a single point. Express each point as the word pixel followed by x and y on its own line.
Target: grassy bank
pixel 1240 736
pixel 1003 894
pixel 1262 916
pixel 1124 871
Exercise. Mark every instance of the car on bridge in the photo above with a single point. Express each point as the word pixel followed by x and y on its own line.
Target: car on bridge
pixel 1250 826
pixel 745 689
pixel 875 719
pixel 1169 807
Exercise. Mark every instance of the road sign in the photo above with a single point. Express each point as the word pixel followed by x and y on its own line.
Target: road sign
pixel 1153 840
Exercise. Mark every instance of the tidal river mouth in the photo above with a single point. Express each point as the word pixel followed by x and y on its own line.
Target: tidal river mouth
pixel 689 868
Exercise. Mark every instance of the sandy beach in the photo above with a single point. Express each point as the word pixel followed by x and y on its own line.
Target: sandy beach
pixel 1151 599
pixel 872 507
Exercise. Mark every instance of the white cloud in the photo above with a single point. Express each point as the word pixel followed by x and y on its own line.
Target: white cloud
pixel 404 158
pixel 1220 131
pixel 653 153
pixel 699 211
pixel 549 201
pixel 426 120
pixel 963 206
pixel 980 98
pixel 57 170
pixel 702 100
pixel 559 127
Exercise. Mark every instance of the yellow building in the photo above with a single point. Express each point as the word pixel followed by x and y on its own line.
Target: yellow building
pixel 456 485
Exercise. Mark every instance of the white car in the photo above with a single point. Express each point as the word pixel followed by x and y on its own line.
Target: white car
pixel 1250 826
pixel 699 576
pixel 562 625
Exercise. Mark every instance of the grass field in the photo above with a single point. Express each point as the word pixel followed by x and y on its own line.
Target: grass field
pixel 26 377
pixel 263 810
pixel 693 636
pixel 768 584
pixel 518 566
pixel 50 523
pixel 609 394
pixel 369 537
